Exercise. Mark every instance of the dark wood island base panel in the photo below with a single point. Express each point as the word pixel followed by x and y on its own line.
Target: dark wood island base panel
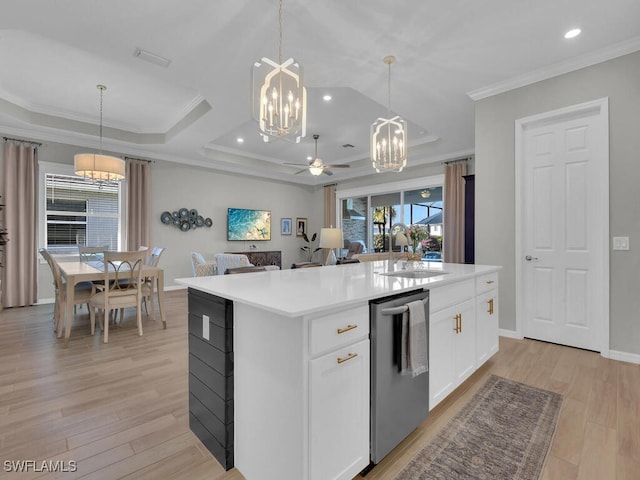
pixel 211 373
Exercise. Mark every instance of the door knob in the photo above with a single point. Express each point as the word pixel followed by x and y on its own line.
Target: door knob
pixel 528 258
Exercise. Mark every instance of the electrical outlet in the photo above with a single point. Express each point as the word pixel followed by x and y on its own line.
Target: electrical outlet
pixel 621 243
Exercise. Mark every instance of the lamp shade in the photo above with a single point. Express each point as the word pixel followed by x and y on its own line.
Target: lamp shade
pixel 98 167
pixel 330 238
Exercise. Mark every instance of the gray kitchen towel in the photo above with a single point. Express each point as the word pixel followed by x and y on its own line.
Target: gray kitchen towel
pixel 414 351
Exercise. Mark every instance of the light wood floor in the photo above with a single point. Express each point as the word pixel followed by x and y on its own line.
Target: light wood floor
pixel 121 410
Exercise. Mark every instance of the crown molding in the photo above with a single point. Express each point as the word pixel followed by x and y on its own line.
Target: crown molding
pixel 92 119
pixel 593 58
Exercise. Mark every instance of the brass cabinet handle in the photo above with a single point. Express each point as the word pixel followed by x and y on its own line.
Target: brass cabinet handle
pixel 348 357
pixel 346 329
pixel 490 281
pixel 458 319
pixel 490 311
pixel 460 331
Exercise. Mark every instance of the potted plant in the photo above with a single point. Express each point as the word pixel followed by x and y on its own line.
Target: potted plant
pixel 309 249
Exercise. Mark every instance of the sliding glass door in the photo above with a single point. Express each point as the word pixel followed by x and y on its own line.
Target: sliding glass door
pixel 367 218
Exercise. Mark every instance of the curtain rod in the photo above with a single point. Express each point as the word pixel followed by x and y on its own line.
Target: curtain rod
pixel 449 162
pixel 140 159
pixel 9 139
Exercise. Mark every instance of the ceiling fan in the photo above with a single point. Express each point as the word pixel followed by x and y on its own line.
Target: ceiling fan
pixel 317 166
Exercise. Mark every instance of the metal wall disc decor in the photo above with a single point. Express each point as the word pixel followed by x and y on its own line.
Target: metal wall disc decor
pixel 185 219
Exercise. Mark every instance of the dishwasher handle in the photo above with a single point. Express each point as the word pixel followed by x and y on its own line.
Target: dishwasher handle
pixel 398 310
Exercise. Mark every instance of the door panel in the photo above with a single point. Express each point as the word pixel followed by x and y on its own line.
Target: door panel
pixel 562 207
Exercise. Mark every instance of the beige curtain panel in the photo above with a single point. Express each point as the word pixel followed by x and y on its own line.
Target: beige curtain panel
pixel 453 241
pixel 138 201
pixel 19 178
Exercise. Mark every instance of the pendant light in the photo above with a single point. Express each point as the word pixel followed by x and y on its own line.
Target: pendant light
pixel 279 99
pixel 389 137
pixel 97 167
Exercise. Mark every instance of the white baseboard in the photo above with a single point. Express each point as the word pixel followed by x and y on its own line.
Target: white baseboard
pixel 613 354
pixel 175 287
pixel 624 356
pixel 509 334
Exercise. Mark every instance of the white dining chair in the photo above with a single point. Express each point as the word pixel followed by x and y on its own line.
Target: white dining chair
pixel 82 292
pixel 122 288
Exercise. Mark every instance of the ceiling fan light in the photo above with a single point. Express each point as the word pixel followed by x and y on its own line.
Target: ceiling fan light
pixel 315 170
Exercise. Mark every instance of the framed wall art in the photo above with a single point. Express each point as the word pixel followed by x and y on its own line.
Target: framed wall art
pixel 301 226
pixel 285 226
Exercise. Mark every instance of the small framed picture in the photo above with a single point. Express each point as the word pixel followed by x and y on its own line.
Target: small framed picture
pixel 285 226
pixel 301 226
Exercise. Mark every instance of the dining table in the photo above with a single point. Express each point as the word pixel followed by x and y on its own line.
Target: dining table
pixel 76 271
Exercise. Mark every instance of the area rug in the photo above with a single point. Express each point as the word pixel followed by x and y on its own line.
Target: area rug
pixel 503 432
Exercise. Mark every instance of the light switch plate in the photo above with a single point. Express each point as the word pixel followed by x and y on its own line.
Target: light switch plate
pixel 205 327
pixel 621 243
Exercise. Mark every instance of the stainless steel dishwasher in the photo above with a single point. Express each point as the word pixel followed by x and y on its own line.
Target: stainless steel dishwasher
pixel 399 403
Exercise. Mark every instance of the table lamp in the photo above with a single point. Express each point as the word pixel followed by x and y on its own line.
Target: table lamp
pixel 331 238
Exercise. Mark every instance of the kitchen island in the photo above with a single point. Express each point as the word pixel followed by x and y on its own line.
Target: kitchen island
pixel 285 392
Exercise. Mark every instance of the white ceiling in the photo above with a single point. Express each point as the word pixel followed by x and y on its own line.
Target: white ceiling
pixel 54 54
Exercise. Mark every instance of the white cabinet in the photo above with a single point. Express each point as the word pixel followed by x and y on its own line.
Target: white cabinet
pixel 339 394
pixel 452 349
pixel 463 322
pixel 339 413
pixel 301 393
pixel 487 316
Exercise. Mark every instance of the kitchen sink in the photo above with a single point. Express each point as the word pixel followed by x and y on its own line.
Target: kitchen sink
pixel 414 273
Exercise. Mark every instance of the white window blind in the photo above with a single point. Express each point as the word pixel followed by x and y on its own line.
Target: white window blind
pixel 79 212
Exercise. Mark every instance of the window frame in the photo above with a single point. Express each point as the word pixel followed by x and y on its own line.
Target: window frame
pixel 45 168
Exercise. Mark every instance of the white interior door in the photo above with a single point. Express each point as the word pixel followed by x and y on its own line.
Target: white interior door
pixel 563 254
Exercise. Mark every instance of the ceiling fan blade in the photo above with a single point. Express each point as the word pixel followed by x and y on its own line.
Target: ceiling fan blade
pixel 301 171
pixel 296 164
pixel 327 172
pixel 339 165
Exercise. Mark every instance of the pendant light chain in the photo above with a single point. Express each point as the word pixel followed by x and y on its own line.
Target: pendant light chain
pixel 389 91
pixel 280 36
pixel 102 88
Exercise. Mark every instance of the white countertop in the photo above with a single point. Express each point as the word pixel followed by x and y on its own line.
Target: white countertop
pixel 305 291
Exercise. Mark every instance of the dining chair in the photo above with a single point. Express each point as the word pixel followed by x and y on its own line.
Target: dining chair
pixel 91 254
pixel 148 285
pixel 122 288
pixel 81 295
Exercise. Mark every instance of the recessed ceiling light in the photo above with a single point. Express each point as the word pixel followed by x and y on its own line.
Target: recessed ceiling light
pixel 240 140
pixel 327 98
pixel 309 158
pixel 574 32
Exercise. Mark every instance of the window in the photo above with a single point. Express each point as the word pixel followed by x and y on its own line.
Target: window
pixel 368 213
pixel 78 212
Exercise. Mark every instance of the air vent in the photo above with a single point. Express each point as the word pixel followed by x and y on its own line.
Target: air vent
pixel 347 145
pixel 151 57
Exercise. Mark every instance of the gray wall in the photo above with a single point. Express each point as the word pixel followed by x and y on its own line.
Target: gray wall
pixel 210 192
pixel 495 176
